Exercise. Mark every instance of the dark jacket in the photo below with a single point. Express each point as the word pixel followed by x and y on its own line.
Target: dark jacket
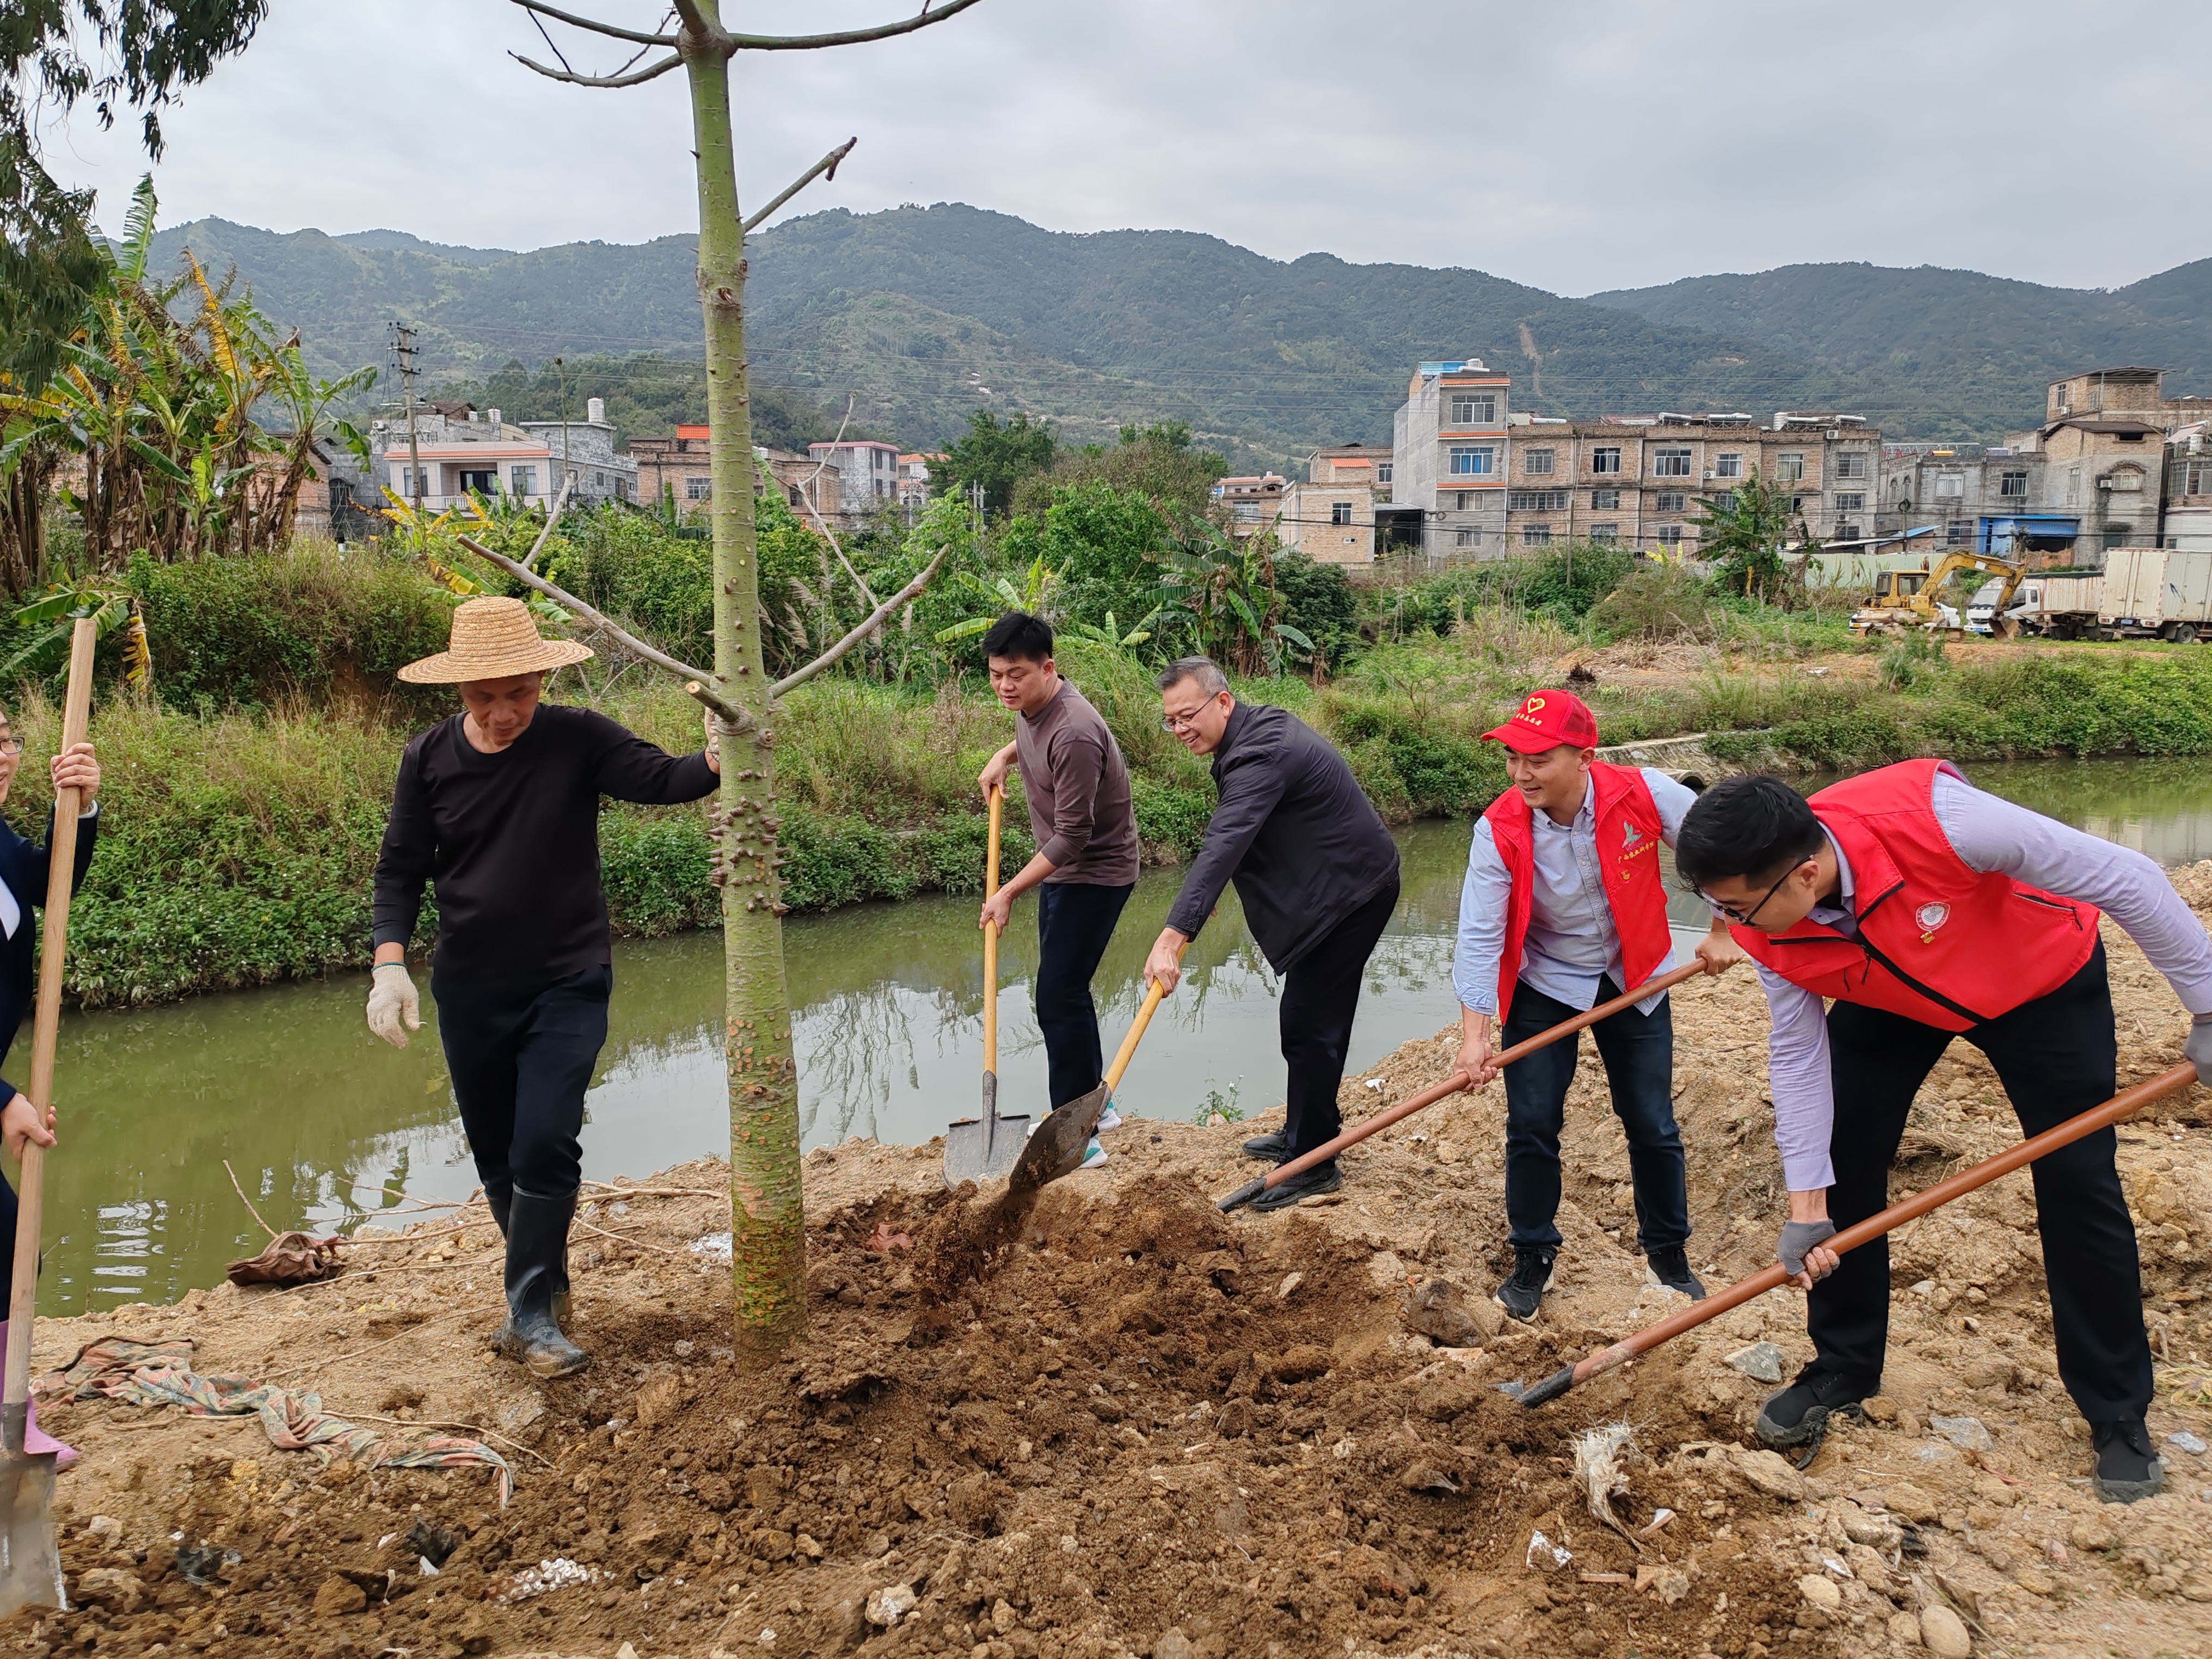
pixel 24 868
pixel 1293 829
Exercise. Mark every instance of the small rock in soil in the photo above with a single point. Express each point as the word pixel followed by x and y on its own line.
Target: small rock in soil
pixel 2182 1440
pixel 1965 1432
pixel 1820 1592
pixel 887 1605
pixel 337 1596
pixel 1943 1632
pixel 1905 1629
pixel 1441 1311
pixel 1761 1361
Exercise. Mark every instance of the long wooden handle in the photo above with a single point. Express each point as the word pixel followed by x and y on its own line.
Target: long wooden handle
pixel 2124 1105
pixel 1459 1080
pixel 1153 993
pixel 45 1036
pixel 991 941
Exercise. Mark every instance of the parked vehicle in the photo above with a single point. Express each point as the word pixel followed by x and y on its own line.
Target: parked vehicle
pixel 2155 592
pixel 1907 599
pixel 2060 604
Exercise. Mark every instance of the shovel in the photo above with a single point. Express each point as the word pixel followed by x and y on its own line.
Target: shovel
pixel 2119 1107
pixel 1058 1146
pixel 984 1148
pixel 1451 1085
pixel 30 1564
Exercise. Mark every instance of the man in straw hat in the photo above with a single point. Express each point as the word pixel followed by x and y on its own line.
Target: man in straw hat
pixel 498 806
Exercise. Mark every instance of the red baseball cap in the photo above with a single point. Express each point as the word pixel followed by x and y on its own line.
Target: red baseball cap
pixel 1547 720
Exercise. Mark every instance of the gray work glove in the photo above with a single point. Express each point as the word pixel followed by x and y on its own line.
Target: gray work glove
pixel 1798 1238
pixel 392 999
pixel 2198 1048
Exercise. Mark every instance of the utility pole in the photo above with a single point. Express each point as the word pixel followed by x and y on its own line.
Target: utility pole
pixel 561 373
pixel 403 348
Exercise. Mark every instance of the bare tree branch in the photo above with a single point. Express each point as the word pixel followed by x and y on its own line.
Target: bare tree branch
pixel 913 589
pixel 596 27
pixel 552 520
pixel 828 164
pixel 847 37
pixel 738 719
pixel 652 72
pixel 810 495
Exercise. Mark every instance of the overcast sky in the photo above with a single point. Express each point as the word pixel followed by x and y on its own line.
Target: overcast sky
pixel 1577 147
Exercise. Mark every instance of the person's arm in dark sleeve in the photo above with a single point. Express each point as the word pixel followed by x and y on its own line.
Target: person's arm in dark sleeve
pixel 1250 787
pixel 408 856
pixel 630 768
pixel 39 866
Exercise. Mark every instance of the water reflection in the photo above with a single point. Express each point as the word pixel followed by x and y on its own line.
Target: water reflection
pixel 322 1123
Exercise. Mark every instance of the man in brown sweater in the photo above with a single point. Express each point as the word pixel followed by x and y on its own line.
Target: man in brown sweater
pixel 1078 790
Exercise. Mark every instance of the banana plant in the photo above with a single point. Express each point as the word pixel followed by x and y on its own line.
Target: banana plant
pixel 1221 597
pixel 50 618
pixel 1002 596
pixel 1108 635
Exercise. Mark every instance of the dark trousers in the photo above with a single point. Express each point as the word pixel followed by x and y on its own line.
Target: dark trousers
pixel 1320 996
pixel 521 1058
pixel 2055 1057
pixel 1074 922
pixel 1638 1052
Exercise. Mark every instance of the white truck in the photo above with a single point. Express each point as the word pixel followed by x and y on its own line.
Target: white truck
pixel 2155 592
pixel 2061 605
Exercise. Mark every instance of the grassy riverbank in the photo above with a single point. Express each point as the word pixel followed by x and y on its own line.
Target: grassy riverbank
pixel 236 848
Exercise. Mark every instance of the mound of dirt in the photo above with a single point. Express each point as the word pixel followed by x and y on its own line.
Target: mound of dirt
pixel 1147 1429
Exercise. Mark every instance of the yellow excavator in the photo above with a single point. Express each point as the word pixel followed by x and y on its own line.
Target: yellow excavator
pixel 1905 599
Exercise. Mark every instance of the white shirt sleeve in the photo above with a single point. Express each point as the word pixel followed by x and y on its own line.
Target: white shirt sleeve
pixel 1673 799
pixel 1995 836
pixel 1481 944
pixel 1797 1076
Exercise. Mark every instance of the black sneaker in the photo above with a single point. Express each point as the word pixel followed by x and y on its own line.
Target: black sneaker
pixel 1307 1184
pixel 2127 1467
pixel 1531 1277
pixel 1800 1412
pixel 1270 1148
pixel 1670 1269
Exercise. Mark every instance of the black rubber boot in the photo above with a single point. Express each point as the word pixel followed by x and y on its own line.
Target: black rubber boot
pixel 1268 1148
pixel 537 1271
pixel 2127 1466
pixel 1307 1184
pixel 501 1207
pixel 1800 1412
pixel 1531 1277
pixel 1671 1270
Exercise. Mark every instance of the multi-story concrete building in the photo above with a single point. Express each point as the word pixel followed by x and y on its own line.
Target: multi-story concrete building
pixel 679 469
pixel 585 450
pixel 1251 503
pixel 868 472
pixel 1334 522
pixel 1988 498
pixel 1449 451
pixel 462 449
pixel 2187 522
pixel 1353 463
pixel 914 482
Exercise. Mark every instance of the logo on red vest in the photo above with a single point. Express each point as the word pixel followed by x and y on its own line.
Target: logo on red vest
pixel 1931 917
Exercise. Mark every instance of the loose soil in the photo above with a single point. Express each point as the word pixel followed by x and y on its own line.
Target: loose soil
pixel 1149 1429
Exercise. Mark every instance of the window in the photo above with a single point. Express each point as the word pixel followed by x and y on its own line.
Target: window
pixel 1469 461
pixel 1669 500
pixel 1340 512
pixel 1466 538
pixel 1950 486
pixel 1604 534
pixel 2073 486
pixel 1789 468
pixel 1853 502
pixel 1382 473
pixel 698 488
pixel 1473 408
pixel 1535 535
pixel 1605 501
pixel 2199 482
pixel 522 480
pixel 1668 535
pixel 1244 513
pixel 1797 503
pixel 2013 486
pixel 1850 464
pixel 1724 503
pixel 1954 533
pixel 484 483
pixel 791 491
pixel 622 487
pixel 1605 461
pixel 1846 532
pixel 1728 466
pixel 1537 462
pixel 1536 500
pixel 1670 464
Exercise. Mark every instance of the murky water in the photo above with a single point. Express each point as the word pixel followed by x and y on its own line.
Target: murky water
pixel 321 1123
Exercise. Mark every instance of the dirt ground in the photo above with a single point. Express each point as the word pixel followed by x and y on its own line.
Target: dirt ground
pixel 1644 666
pixel 1155 1430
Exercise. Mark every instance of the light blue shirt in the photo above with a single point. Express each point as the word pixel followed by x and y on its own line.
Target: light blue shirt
pixel 1572 943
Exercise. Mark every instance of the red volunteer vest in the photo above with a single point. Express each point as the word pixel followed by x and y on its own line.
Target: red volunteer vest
pixel 1627 845
pixel 1938 942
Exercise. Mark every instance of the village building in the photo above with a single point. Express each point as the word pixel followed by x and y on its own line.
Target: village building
pixel 584 451
pixel 1448 450
pixel 868 472
pixel 678 470
pixel 1250 503
pixel 461 449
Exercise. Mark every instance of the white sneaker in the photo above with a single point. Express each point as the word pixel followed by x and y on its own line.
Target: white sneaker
pixel 1093 1155
pixel 1108 1119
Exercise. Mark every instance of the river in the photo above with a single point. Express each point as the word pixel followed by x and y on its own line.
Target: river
pixel 324 1126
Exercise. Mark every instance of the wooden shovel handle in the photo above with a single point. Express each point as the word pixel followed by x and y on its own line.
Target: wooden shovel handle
pixel 991 940
pixel 61 867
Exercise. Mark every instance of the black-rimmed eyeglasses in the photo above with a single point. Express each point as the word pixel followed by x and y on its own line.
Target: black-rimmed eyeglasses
pixel 1743 918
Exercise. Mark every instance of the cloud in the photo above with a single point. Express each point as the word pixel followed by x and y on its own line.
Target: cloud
pixel 1576 147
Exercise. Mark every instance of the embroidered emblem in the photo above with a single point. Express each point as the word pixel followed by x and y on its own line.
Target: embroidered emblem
pixel 1628 838
pixel 1931 917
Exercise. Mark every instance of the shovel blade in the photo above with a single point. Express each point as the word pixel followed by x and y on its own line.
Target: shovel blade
pixel 30 1561
pixel 1058 1146
pixel 983 1148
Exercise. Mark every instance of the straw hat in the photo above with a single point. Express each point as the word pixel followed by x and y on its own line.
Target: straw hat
pixel 491 639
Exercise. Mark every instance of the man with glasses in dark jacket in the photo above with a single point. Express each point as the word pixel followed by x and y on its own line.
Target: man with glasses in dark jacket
pixel 1318 875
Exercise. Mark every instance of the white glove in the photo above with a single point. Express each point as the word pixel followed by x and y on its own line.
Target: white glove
pixel 391 998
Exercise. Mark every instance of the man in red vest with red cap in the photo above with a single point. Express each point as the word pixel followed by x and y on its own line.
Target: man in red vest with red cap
pixel 1926 909
pixel 1564 908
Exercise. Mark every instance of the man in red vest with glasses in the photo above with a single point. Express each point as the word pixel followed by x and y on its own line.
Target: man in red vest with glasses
pixel 1564 908
pixel 1927 909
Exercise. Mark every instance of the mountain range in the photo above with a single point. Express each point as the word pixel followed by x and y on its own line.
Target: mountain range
pixel 922 315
